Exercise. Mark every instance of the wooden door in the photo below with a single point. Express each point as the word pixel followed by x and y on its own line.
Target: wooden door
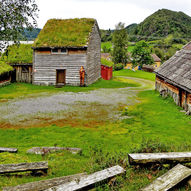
pixel 60 76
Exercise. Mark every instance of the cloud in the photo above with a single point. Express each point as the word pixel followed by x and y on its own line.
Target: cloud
pixel 107 12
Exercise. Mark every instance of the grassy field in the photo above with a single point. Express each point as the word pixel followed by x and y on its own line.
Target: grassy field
pixel 136 74
pixel 153 125
pixel 22 89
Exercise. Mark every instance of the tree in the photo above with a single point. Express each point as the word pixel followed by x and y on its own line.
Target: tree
pixel 141 54
pixel 15 16
pixel 120 42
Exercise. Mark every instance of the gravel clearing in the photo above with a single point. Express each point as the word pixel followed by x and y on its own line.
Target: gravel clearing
pixel 98 105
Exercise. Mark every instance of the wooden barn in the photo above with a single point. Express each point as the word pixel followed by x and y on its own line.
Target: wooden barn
pixel 20 58
pixel 174 78
pixel 62 48
pixel 5 73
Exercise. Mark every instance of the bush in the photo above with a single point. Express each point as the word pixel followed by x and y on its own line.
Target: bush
pixel 118 66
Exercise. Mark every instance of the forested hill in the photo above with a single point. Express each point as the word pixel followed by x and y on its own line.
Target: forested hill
pixel 31 35
pixel 162 23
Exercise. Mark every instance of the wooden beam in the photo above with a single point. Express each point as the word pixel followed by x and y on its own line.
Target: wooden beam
pixel 10 150
pixel 169 179
pixel 44 184
pixel 90 180
pixel 22 167
pixel 45 150
pixel 172 157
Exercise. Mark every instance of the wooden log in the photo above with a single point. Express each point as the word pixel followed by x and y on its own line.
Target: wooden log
pixel 22 167
pixel 45 150
pixel 90 180
pixel 169 179
pixel 10 150
pixel 171 157
pixel 44 184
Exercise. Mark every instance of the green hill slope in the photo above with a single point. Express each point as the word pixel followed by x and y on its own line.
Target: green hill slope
pixel 165 22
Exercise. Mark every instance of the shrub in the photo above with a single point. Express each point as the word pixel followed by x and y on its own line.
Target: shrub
pixel 118 66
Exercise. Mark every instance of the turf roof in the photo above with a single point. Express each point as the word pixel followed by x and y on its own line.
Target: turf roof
pixel 65 33
pixel 19 54
pixel 4 68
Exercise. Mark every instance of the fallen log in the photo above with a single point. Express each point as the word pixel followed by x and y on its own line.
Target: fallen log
pixel 171 157
pixel 169 179
pixel 89 180
pixel 22 167
pixel 45 150
pixel 10 150
pixel 44 184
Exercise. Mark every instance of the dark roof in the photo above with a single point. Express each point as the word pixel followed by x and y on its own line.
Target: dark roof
pixel 155 58
pixel 65 33
pixel 177 70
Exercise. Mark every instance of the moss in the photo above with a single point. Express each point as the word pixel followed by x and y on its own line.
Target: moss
pixel 65 33
pixel 106 62
pixel 18 54
pixel 4 68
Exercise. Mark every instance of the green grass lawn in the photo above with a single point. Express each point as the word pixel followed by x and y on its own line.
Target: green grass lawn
pixel 136 74
pixel 153 125
pixel 22 89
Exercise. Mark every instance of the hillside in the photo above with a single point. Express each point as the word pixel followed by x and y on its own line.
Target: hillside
pixel 164 22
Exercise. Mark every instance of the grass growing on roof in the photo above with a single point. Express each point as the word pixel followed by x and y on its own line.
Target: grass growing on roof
pixel 4 68
pixel 18 54
pixel 65 33
pixel 106 62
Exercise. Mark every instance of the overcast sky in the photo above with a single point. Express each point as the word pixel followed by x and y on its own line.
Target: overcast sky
pixel 107 12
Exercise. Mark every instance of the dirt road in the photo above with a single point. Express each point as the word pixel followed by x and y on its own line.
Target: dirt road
pixel 96 106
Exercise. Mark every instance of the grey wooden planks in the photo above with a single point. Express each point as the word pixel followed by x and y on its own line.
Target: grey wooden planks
pixel 44 150
pixel 44 184
pixel 10 150
pixel 143 158
pixel 22 167
pixel 89 180
pixel 169 179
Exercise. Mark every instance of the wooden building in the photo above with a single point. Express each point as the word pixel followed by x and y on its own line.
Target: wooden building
pixel 20 58
pixel 148 68
pixel 62 47
pixel 5 73
pixel 174 78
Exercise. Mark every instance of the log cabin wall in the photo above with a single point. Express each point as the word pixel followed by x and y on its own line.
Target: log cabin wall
pixel 45 65
pixel 169 89
pixel 94 56
pixel 180 96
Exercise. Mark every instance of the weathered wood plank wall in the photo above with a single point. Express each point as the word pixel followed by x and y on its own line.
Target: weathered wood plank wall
pixel 45 66
pixel 94 56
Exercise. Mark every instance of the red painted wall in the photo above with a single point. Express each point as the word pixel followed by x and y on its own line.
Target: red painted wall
pixel 106 72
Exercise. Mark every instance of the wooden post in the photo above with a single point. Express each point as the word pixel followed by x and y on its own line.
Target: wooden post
pixel 171 157
pixel 10 150
pixel 44 184
pixel 92 179
pixel 169 179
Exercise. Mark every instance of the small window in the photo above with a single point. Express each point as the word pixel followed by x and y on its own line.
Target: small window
pixel 59 51
pixel 55 50
pixel 63 50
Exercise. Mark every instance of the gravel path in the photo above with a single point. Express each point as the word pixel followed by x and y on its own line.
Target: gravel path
pixel 99 105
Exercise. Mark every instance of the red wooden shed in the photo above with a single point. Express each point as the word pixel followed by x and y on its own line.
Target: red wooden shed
pixel 106 72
